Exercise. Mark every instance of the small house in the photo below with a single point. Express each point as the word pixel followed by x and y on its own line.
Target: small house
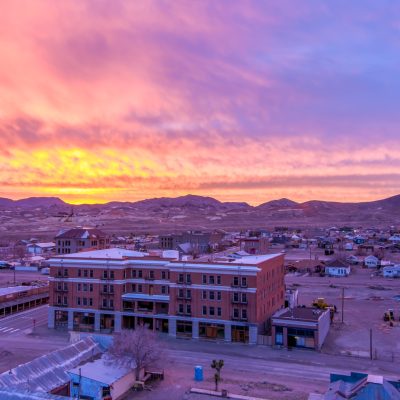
pixel 371 262
pixel 359 239
pixel 41 248
pixel 348 246
pixel 352 260
pixel 392 271
pixel 337 268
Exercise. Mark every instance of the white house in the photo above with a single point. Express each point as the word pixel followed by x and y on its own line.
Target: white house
pixel 371 262
pixel 348 246
pixel 352 260
pixel 395 239
pixel 391 271
pixel 40 248
pixel 337 268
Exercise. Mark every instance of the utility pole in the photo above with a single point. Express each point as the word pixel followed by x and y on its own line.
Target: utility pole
pixel 370 343
pixel 342 305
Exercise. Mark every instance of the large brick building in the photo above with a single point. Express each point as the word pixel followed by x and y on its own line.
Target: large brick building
pixel 73 240
pixel 109 290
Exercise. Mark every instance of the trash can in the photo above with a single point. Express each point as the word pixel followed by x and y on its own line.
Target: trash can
pixel 198 373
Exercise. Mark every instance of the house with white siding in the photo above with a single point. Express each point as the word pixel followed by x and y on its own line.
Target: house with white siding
pixel 337 268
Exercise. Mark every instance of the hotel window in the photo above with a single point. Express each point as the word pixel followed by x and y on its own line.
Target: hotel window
pixel 91 273
pixel 204 295
pixel 219 311
pixel 65 272
pixel 180 293
pixel 204 279
pixel 90 301
pixel 151 275
pixel 235 313
pixel 78 301
pixel 104 303
pixel 133 287
pixel 111 303
pixel 188 309
pixel 105 274
pixel 188 278
pixel 84 301
pixel 163 275
pixel 79 272
pixel 65 286
pixel 91 287
pixel 140 288
pixel 111 274
pixel 133 273
pixel 79 287
pixel 111 288
pixel 219 295
pixel 244 314
pixel 140 274
pixel 244 298
pixel 235 281
pixel 211 280
pixel 163 290
pixel 219 280
pixel 85 287
pixel 180 308
pixel 212 295
pixel 188 294
pixel 180 278
pixel 236 297
pixel 85 273
pixel 204 310
pixel 244 281
pixel 212 311
pixel 65 300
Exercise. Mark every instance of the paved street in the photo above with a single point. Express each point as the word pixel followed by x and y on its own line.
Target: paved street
pixel 23 322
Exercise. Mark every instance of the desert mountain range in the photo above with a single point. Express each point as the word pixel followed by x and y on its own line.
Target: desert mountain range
pixel 43 216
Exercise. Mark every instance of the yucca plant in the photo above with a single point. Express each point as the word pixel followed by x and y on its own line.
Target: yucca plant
pixel 217 365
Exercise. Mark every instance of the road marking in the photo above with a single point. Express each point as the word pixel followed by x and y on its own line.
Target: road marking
pixel 14 330
pixel 8 330
pixel 4 327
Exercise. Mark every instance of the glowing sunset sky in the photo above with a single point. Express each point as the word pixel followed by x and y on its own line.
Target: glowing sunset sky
pixel 240 100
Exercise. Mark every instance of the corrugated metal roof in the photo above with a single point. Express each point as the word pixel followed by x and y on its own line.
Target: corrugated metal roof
pixel 48 372
pixel 14 394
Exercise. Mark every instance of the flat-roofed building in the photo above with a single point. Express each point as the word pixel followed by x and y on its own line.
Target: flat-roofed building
pixel 305 327
pixel 109 290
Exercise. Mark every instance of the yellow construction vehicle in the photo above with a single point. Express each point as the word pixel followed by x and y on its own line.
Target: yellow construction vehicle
pixel 388 316
pixel 323 305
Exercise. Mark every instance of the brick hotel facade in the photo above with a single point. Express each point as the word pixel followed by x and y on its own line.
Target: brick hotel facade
pixel 113 289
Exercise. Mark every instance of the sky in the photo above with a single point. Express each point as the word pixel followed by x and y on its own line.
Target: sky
pixel 240 100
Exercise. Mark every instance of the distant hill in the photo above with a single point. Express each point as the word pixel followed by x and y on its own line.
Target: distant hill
pixel 184 202
pixel 32 202
pixel 4 202
pixel 281 203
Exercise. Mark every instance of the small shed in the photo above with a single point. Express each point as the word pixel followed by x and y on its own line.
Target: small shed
pixel 101 379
